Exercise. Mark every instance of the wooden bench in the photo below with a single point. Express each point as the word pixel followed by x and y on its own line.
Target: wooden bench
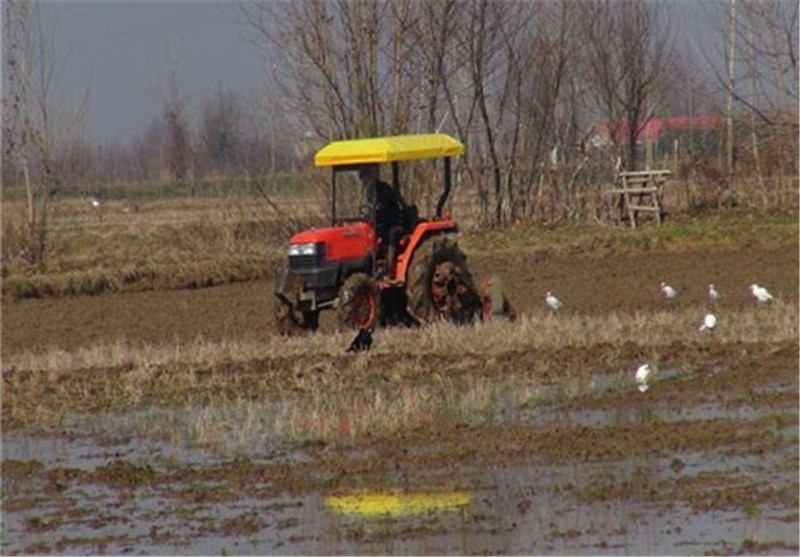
pixel 639 191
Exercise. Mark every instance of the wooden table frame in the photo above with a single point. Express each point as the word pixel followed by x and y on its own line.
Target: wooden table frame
pixel 639 191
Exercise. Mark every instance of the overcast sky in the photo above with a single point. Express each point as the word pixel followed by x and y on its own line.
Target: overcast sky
pixel 119 52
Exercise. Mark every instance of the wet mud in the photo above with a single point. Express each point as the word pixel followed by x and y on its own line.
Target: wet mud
pixel 704 462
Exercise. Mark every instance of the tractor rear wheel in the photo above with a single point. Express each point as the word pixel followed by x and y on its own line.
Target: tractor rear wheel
pixel 359 302
pixel 440 285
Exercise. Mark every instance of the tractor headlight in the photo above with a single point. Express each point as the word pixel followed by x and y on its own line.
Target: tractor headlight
pixel 303 249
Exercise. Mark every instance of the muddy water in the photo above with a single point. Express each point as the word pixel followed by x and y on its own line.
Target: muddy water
pixel 530 508
pixel 600 469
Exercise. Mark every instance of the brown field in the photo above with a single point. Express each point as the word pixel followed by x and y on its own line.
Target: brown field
pixel 587 284
pixel 176 421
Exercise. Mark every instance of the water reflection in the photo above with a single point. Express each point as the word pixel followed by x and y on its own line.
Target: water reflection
pixel 204 504
pixel 397 504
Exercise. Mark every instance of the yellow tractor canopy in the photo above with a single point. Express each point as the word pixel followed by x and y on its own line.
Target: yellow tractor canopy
pixel 388 149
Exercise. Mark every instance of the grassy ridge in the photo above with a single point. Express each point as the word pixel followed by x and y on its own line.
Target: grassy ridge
pixel 163 245
pixel 727 230
pixel 191 242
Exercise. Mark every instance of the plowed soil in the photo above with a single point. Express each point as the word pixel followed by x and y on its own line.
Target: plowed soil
pixel 704 462
pixel 244 310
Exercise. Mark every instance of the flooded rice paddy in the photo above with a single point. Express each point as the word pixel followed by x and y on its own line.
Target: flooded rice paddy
pixel 542 451
pixel 696 465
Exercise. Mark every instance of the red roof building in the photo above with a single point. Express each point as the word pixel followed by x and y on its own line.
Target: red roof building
pixel 652 129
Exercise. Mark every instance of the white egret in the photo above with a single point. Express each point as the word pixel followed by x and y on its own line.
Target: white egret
pixel 95 203
pixel 643 377
pixel 709 322
pixel 668 291
pixel 554 303
pixel 760 293
pixel 713 295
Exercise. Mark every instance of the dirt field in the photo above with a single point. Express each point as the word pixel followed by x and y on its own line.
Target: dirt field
pixel 585 284
pixel 705 462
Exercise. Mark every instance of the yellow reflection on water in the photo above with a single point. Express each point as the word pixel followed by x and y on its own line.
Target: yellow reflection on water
pixel 390 504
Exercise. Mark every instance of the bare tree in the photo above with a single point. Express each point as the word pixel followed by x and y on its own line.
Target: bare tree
pixel 730 84
pixel 220 133
pixel 178 148
pixel 27 116
pixel 628 55
pixel 345 66
pixel 764 37
pixel 477 37
pixel 548 102
pixel 148 151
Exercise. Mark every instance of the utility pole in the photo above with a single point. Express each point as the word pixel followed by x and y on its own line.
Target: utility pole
pixel 731 59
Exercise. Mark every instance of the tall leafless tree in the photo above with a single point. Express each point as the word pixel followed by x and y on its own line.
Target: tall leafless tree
pixel 627 65
pixel 28 123
pixel 220 134
pixel 178 148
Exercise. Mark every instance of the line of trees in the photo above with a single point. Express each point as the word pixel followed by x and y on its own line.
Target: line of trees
pixel 231 135
pixel 522 84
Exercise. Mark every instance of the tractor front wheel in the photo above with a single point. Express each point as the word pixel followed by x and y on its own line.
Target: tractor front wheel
pixel 289 319
pixel 359 302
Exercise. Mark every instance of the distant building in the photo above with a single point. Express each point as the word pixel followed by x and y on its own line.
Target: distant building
pixel 653 129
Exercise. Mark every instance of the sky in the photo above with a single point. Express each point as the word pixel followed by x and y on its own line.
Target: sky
pixel 118 52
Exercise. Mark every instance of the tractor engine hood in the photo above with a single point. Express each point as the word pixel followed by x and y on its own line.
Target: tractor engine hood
pixel 335 243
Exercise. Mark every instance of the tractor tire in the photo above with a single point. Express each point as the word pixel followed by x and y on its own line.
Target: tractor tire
pixel 440 285
pixel 290 322
pixel 359 303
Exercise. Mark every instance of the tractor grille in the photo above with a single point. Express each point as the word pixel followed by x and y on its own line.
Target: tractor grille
pixel 299 262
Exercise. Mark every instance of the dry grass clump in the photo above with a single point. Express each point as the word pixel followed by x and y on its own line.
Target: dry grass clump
pixel 774 323
pixel 307 387
pixel 758 324
pixel 182 243
pixel 130 278
pixel 342 415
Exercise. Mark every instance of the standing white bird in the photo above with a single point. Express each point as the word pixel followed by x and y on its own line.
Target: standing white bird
pixel 643 377
pixel 709 322
pixel 554 303
pixel 95 202
pixel 668 291
pixel 760 293
pixel 713 295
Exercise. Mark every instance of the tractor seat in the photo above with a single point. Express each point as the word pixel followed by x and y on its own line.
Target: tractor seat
pixel 410 218
pixel 403 242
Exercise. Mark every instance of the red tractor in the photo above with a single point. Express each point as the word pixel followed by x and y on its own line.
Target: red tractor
pixel 348 267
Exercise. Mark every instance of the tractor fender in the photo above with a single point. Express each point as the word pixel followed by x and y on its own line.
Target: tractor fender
pixel 421 232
